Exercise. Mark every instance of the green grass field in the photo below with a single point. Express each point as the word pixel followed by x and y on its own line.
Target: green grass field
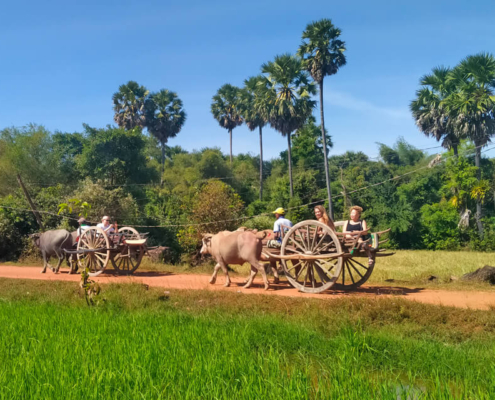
pixel 140 343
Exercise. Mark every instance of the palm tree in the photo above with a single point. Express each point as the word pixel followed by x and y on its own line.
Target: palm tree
pixel 165 117
pixel 428 108
pixel 128 104
pixel 288 91
pixel 254 112
pixel 471 107
pixel 225 109
pixel 323 54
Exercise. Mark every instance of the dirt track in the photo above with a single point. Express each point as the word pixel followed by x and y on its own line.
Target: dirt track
pixel 463 299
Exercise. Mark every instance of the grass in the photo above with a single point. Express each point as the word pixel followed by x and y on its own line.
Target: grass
pixel 143 343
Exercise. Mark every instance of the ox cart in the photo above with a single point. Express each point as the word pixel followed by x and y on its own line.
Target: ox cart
pixel 95 249
pixel 315 258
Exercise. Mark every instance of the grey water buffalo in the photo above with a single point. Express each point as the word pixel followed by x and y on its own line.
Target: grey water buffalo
pixel 236 247
pixel 53 243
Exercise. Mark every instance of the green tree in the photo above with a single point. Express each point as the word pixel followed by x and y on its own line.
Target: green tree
pixel 165 117
pixel 288 91
pixel 471 107
pixel 307 146
pixel 254 111
pixel 128 105
pixel 225 109
pixel 115 156
pixel 323 55
pixel 27 151
pixel 429 111
pixel 217 206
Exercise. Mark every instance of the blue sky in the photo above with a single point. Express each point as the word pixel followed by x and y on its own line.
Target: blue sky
pixel 62 61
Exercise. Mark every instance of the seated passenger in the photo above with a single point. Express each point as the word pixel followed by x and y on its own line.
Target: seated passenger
pixel 106 226
pixel 356 224
pixel 322 216
pixel 280 223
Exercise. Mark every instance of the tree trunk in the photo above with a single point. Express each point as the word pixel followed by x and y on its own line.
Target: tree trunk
pixel 163 163
pixel 230 133
pixel 31 204
pixel 327 173
pixel 261 163
pixel 454 148
pixel 477 162
pixel 289 157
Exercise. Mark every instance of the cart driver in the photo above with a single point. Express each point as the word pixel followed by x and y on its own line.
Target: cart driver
pixel 280 223
pixel 83 226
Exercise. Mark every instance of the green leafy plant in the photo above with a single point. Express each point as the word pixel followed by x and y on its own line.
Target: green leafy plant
pixel 82 208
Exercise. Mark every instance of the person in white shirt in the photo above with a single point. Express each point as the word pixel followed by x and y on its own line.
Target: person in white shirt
pixel 280 223
pixel 106 226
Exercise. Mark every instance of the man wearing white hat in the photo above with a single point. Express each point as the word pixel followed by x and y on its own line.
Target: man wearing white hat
pixel 106 226
pixel 280 223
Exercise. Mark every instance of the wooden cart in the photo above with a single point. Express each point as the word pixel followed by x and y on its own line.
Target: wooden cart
pixel 124 250
pixel 315 258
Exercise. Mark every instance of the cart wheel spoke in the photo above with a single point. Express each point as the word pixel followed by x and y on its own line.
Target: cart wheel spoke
pixel 350 272
pixel 351 263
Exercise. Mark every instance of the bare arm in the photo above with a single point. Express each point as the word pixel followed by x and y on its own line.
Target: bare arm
pixel 365 226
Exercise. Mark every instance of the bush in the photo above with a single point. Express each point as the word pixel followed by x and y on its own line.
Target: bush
pixel 218 207
pixel 439 222
pixel 261 222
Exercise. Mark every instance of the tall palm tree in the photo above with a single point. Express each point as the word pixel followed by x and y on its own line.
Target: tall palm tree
pixel 428 108
pixel 165 117
pixel 254 111
pixel 128 104
pixel 323 54
pixel 288 91
pixel 225 109
pixel 471 107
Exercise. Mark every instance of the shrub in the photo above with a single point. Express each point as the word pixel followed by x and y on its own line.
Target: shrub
pixel 439 222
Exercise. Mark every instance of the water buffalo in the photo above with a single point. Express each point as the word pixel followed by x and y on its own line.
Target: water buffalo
pixel 235 248
pixel 52 243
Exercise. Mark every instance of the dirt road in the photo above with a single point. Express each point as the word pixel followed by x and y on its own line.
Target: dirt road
pixel 463 299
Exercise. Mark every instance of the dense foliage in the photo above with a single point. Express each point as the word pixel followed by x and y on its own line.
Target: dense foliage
pixel 118 173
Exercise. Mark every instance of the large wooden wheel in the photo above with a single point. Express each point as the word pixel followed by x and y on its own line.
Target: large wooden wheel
pixel 314 243
pixel 91 239
pixel 354 272
pixel 128 260
pixel 129 233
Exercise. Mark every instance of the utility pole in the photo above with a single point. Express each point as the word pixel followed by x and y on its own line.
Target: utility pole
pixel 33 208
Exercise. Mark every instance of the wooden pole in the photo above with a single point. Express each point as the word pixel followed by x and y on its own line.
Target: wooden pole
pixel 33 208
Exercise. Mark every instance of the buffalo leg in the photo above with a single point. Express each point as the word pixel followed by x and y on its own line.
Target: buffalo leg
pixel 273 266
pixel 226 272
pixel 263 274
pixel 249 281
pixel 60 260
pixel 215 272
pixel 45 262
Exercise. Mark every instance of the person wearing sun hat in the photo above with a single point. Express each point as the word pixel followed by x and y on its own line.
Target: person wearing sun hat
pixel 280 223
pixel 106 226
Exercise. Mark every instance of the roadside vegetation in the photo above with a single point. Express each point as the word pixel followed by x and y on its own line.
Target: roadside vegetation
pixel 128 171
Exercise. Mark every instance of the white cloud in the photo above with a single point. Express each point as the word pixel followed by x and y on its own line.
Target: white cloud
pixel 349 102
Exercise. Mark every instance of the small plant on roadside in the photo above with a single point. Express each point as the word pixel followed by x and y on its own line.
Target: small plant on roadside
pixel 91 288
